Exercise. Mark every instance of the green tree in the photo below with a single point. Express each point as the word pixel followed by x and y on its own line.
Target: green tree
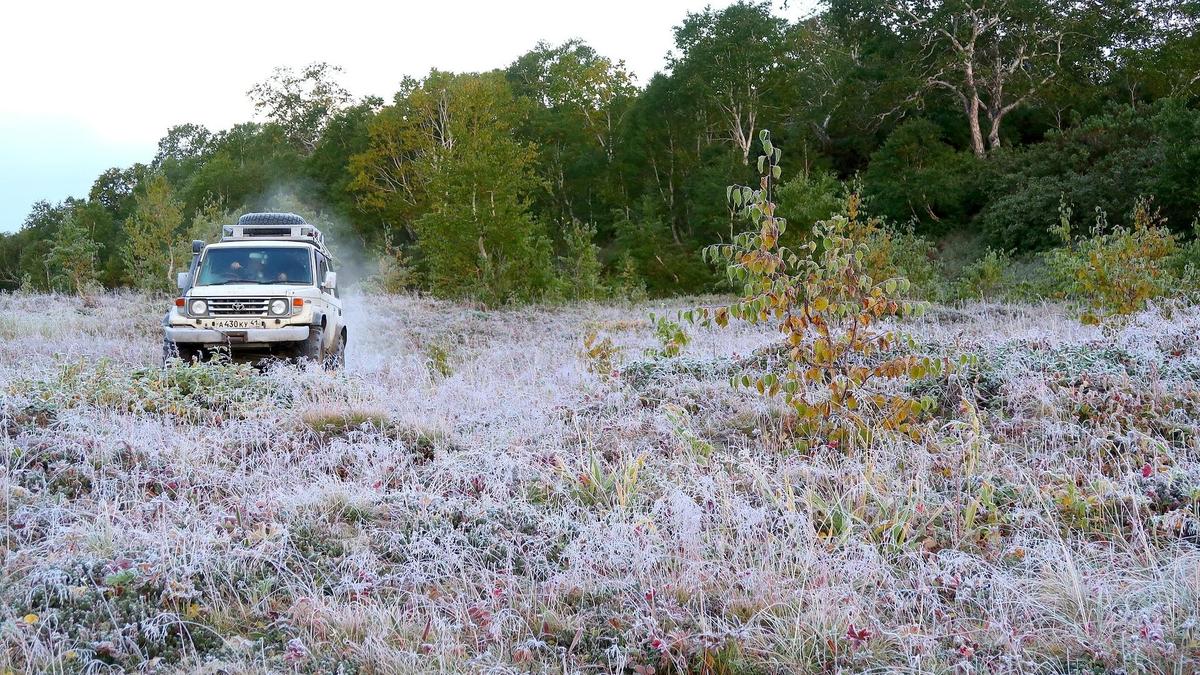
pixel 733 58
pixel 72 257
pixel 152 249
pixel 991 56
pixel 444 159
pixel 917 176
pixel 580 266
pixel 301 103
pixel 579 103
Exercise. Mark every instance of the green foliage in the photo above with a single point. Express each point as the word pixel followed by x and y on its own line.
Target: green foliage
pixel 1103 164
pixel 901 253
pixel 153 251
pixel 670 335
pixel 985 278
pixel 628 283
pixel 580 265
pixel 72 257
pixel 828 307
pixel 809 198
pixel 1116 270
pixel 446 150
pixel 301 103
pixel 652 255
pixel 466 171
pixel 918 177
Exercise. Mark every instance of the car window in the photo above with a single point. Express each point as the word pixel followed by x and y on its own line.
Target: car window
pixel 265 265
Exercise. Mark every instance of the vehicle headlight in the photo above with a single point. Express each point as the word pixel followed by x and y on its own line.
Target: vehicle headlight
pixel 198 307
pixel 279 307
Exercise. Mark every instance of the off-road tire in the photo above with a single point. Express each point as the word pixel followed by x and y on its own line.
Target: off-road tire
pixel 174 350
pixel 312 349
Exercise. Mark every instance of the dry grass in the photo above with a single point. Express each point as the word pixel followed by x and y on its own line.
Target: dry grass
pixel 499 507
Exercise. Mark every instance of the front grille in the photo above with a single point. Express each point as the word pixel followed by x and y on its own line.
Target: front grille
pixel 238 306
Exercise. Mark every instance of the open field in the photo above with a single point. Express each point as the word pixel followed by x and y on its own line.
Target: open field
pixel 467 495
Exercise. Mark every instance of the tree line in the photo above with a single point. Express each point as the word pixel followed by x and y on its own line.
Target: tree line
pixel 563 176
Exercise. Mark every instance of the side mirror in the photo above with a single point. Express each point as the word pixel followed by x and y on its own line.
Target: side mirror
pixel 330 282
pixel 181 280
pixel 198 245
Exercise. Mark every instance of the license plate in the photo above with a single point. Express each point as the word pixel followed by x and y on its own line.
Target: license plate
pixel 236 323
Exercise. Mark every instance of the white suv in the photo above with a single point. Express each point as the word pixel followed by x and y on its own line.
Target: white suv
pixel 268 288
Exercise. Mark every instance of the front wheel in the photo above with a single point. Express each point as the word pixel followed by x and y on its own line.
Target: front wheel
pixel 313 347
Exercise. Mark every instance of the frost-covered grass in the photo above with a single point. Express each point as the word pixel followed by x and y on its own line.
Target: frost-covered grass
pixel 468 495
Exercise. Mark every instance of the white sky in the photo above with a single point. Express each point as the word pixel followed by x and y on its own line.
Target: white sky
pixel 89 85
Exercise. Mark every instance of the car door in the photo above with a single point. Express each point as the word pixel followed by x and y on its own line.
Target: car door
pixel 331 299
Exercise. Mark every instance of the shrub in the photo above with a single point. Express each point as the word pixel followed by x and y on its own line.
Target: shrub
pixel 807 199
pixel 599 353
pixel 825 302
pixel 671 337
pixel 1130 150
pixel 394 272
pixel 580 266
pixel 916 176
pixel 901 252
pixel 1116 270
pixel 984 278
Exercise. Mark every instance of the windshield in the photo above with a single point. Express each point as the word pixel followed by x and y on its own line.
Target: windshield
pixel 266 265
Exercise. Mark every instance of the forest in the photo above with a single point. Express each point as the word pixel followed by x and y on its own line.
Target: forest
pixel 974 130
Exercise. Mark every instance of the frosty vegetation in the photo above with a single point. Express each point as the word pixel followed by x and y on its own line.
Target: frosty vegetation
pixel 551 489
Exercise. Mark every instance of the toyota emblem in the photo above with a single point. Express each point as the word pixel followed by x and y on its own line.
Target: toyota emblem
pixel 237 306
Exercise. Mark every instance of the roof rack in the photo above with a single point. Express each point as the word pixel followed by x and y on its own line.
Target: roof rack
pixel 286 226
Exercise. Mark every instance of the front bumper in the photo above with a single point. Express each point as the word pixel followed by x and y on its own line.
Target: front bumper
pixel 211 336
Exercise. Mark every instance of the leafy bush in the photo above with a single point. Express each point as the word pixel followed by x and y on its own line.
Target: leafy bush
pixel 984 278
pixel 394 272
pixel 916 176
pixel 599 353
pixel 580 266
pixel 1117 269
pixel 828 306
pixel 652 254
pixel 1101 164
pixel 901 252
pixel 807 199
pixel 671 337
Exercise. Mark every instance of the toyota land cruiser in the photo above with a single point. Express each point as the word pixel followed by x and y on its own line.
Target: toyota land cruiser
pixel 267 288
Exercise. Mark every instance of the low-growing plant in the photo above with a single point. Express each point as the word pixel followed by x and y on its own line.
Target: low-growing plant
pixel 1116 270
pixel 830 310
pixel 599 353
pixel 437 359
pixel 671 337
pixel 189 391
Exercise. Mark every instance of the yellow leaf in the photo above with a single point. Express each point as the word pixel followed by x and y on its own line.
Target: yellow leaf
pixel 30 619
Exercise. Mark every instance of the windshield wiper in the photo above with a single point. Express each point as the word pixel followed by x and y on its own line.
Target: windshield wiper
pixel 237 281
